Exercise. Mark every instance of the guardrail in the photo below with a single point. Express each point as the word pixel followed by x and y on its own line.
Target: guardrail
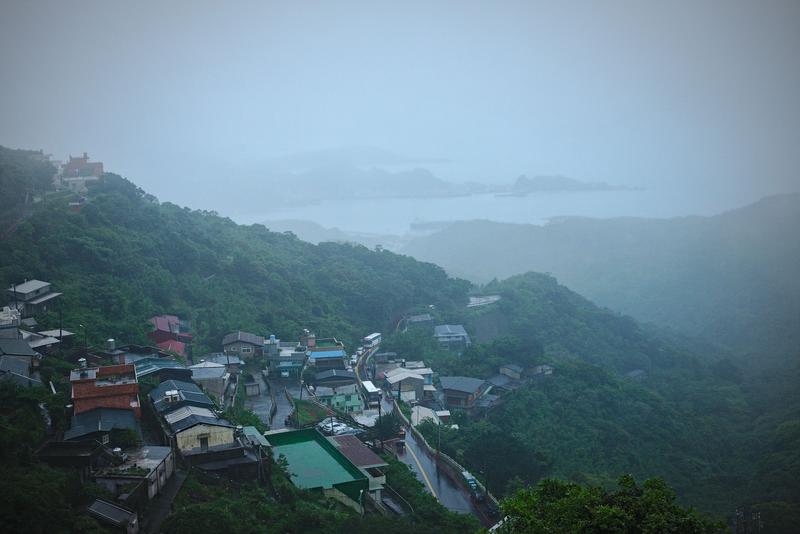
pixel 454 468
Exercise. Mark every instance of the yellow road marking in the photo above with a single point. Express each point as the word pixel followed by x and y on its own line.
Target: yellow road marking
pixel 422 470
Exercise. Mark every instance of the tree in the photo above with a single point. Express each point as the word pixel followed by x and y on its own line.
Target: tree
pixel 557 506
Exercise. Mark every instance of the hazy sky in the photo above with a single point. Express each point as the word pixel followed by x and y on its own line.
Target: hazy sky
pixel 689 93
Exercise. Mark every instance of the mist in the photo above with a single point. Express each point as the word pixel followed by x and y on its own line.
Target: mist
pixel 207 106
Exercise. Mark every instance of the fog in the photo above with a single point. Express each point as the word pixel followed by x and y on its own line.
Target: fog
pixel 202 104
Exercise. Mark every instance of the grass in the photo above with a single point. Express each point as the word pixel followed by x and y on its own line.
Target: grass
pixel 308 413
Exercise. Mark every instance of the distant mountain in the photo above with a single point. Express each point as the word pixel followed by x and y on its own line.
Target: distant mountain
pixel 345 181
pixel 359 156
pixel 731 278
pixel 525 185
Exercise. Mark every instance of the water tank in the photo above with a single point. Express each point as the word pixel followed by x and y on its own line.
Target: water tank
pixel 111 344
pixel 82 363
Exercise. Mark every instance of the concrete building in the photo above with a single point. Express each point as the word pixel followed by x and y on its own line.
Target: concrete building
pixel 452 337
pixel 405 384
pixel 110 386
pixel 369 463
pixel 197 429
pixel 245 344
pixel 212 377
pixel 462 392
pixel 284 359
pixel 31 296
pixel 341 398
pixel 317 464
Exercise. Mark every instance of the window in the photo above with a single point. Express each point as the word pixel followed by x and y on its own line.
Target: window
pixel 204 443
pixel 245 348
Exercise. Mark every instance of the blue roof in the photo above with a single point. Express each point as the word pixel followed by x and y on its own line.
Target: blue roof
pixel 338 353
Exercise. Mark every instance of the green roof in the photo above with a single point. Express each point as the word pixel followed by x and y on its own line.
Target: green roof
pixel 313 461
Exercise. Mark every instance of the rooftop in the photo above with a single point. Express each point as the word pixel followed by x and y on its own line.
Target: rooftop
pixel 148 457
pixel 28 286
pixel 313 461
pixel 111 513
pixel 512 367
pixel 354 450
pixel 101 420
pixel 464 384
pixel 326 354
pixel 449 330
pixel 170 385
pixel 16 347
pixel 335 373
pixel 245 337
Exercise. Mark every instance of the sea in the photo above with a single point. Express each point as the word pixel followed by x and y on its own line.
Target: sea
pixel 399 216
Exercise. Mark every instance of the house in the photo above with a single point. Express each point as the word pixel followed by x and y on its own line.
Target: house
pixel 111 386
pixel 317 464
pixel 129 353
pixel 462 392
pixel 452 337
pixel 324 353
pixel 284 359
pixel 191 428
pixel 344 398
pixel 78 172
pixel 511 370
pixel 369 463
pixel 327 359
pixel 417 368
pixel 169 328
pixel 175 347
pixel 105 425
pixel 38 341
pixel 334 378
pixel 245 344
pixel 542 370
pixel 19 371
pixel 162 369
pixel 19 362
pixel 421 320
pixel 32 296
pixel 146 468
pixel 232 362
pixel 121 519
pixel 170 334
pixel 405 384
pixel 212 377
pixel 10 320
pixel 81 455
pixel 173 394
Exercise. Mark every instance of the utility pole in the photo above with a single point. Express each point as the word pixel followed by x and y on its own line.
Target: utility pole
pixel 380 426
pixel 85 338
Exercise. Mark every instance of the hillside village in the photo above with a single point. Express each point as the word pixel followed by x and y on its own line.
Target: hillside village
pixel 141 417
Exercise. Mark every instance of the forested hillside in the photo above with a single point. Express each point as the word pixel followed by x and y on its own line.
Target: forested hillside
pixel 731 278
pixel 694 419
pixel 125 257
pixel 689 416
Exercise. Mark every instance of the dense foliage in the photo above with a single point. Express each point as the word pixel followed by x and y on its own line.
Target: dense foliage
pixel 281 507
pixel 688 419
pixel 36 498
pixel 562 507
pixel 125 257
pixel 731 278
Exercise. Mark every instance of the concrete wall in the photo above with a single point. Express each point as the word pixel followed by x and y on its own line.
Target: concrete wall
pixel 190 438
